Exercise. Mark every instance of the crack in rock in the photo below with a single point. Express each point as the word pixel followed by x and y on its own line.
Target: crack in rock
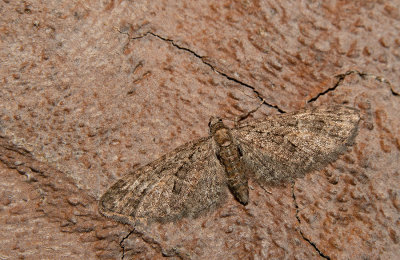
pixel 301 232
pixel 340 77
pixel 362 75
pixel 172 42
pixel 148 240
pixel 122 245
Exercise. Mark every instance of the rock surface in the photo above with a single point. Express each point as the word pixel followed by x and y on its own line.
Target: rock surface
pixel 91 90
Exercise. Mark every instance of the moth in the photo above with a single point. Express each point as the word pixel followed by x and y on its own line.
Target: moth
pixel 195 177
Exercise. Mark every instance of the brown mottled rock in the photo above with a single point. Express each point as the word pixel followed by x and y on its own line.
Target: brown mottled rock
pixel 91 90
pixel 357 214
pixel 44 215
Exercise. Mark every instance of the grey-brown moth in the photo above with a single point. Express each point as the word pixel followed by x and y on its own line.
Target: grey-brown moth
pixel 194 178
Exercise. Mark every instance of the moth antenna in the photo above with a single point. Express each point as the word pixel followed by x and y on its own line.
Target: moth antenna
pixel 247 114
pixel 243 116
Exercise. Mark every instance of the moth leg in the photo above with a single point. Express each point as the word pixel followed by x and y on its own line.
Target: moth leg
pixel 262 187
pixel 240 150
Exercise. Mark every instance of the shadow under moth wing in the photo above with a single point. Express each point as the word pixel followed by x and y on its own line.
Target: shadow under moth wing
pixel 183 183
pixel 193 178
pixel 287 146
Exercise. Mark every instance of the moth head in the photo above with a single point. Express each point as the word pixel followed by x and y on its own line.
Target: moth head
pixel 215 124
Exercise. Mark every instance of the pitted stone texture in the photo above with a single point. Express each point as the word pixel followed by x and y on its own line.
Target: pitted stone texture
pixel 287 51
pixel 44 215
pixel 76 92
pixel 350 210
pixel 113 105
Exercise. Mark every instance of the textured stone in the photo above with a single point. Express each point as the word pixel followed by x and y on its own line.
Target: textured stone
pixel 82 101
pixel 357 208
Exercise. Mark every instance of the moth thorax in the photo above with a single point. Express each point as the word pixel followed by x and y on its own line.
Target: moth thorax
pixel 222 137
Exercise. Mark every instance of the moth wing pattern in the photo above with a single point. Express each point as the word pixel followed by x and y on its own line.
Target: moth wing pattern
pixel 183 183
pixel 289 145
